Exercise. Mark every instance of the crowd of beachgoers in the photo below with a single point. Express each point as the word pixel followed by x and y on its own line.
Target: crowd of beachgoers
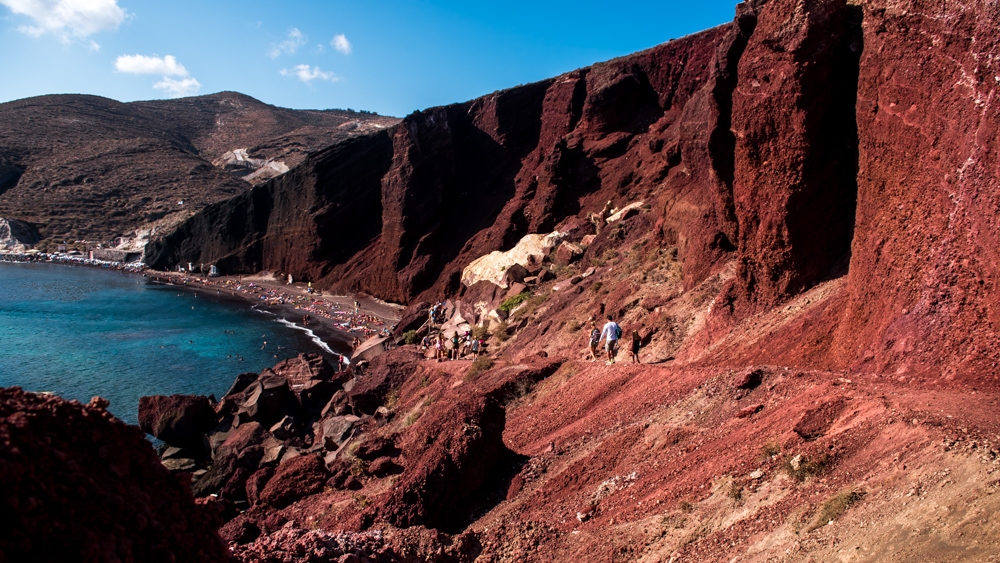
pixel 345 317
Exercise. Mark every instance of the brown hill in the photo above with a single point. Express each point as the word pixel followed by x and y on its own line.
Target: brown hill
pixel 85 167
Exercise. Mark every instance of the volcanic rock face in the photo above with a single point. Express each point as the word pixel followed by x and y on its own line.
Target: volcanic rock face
pixel 924 263
pixel 794 171
pixel 400 214
pixel 805 141
pixel 121 166
pixel 80 485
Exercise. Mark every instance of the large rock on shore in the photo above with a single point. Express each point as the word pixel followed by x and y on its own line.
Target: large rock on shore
pixel 452 456
pixel 297 478
pixel 179 420
pixel 269 399
pixel 302 369
pixel 386 371
pixel 77 484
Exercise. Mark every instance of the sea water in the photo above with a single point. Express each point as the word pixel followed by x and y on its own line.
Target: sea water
pixel 84 332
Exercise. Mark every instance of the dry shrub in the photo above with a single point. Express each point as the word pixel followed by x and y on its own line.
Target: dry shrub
pixel 835 506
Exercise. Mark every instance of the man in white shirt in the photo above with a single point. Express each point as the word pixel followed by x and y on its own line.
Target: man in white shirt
pixel 610 335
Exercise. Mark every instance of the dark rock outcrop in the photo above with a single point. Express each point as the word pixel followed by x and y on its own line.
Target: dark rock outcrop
pixel 451 459
pixel 299 477
pixel 179 420
pixel 78 484
pixel 385 373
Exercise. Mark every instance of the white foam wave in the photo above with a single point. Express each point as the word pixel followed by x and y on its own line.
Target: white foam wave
pixel 312 335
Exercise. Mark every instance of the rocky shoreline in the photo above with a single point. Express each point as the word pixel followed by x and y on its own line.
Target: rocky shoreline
pixel 330 317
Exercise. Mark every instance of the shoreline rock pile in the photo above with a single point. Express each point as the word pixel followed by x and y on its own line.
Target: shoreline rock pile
pixel 298 409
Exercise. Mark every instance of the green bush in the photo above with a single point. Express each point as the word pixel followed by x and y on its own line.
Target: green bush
pixel 805 467
pixel 501 333
pixel 479 332
pixel 511 303
pixel 531 306
pixel 835 506
pixel 481 364
pixel 410 337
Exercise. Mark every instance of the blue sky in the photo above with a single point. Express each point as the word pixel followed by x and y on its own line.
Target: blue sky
pixel 388 56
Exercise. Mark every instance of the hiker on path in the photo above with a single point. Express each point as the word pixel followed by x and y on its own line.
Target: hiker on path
pixel 610 335
pixel 594 339
pixel 634 348
pixel 439 347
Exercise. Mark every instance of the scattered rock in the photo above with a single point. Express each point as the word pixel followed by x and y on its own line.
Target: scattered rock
pixel 179 464
pixel 302 476
pixel 284 429
pixel 239 531
pixel 332 431
pixel 255 484
pixel 516 288
pixel 383 466
pixel 269 399
pixel 337 405
pixel 816 422
pixel 568 252
pixel 179 420
pixel 515 273
pixel 242 381
pixel 749 411
pixel 749 378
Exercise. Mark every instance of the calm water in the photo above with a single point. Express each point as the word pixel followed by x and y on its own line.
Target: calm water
pixel 80 332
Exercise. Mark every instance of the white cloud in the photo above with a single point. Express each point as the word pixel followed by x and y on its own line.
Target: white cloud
pixel 340 43
pixel 141 64
pixel 295 40
pixel 68 19
pixel 166 66
pixel 307 74
pixel 178 88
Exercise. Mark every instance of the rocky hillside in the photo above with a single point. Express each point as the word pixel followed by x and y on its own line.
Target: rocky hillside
pixel 776 153
pixel 85 167
pixel 801 233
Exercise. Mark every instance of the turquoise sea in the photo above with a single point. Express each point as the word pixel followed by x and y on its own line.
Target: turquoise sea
pixel 80 332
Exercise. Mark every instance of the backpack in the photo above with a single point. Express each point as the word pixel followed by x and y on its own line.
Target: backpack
pixel 618 332
pixel 595 335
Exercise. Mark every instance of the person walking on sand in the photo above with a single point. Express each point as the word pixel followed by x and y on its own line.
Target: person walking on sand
pixel 594 339
pixel 610 335
pixel 634 348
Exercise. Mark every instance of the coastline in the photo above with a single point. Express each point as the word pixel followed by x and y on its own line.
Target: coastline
pixel 332 322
